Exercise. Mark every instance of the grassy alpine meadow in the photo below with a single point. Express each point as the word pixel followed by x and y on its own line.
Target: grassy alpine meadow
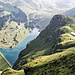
pixel 41 60
pixel 52 52
pixel 14 32
pixel 12 25
pixel 10 71
pixel 57 64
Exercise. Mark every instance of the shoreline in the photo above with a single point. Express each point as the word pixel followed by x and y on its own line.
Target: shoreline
pixel 5 59
pixel 13 46
pixel 7 47
pixel 20 46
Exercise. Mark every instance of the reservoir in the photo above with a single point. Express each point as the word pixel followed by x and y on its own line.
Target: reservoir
pixel 12 54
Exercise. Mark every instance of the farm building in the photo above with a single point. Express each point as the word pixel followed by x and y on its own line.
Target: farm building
pixel 72 33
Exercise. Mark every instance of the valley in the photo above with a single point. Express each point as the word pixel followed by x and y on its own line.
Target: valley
pixel 11 54
pixel 13 32
pixel 37 37
pixel 53 53
pixel 12 26
pixel 38 56
pixel 26 16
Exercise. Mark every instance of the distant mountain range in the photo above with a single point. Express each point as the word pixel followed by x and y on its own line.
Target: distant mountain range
pixel 40 12
pixel 70 12
pixel 43 5
pixel 33 14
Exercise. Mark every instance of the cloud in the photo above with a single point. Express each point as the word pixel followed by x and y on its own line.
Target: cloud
pixel 62 3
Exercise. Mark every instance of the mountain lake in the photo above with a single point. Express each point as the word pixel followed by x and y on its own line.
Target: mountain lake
pixel 12 54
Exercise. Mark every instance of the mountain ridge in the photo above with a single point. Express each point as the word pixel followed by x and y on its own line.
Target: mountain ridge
pixel 44 10
pixel 49 36
pixel 52 52
pixel 70 12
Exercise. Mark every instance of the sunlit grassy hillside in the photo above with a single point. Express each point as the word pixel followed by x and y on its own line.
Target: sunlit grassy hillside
pixel 10 71
pixel 12 25
pixel 62 63
pixel 51 53
pixel 14 32
pixel 54 45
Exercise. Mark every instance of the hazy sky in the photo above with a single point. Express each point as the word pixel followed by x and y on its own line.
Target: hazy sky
pixel 60 3
pixel 55 4
pixel 65 3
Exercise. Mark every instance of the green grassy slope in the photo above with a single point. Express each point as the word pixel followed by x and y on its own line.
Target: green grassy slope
pixel 14 32
pixel 51 46
pixel 3 63
pixel 10 71
pixel 57 64
pixel 62 63
pixel 45 41
pixel 12 25
pixel 34 17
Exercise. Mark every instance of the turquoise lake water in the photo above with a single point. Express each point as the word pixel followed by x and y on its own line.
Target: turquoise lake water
pixel 12 54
